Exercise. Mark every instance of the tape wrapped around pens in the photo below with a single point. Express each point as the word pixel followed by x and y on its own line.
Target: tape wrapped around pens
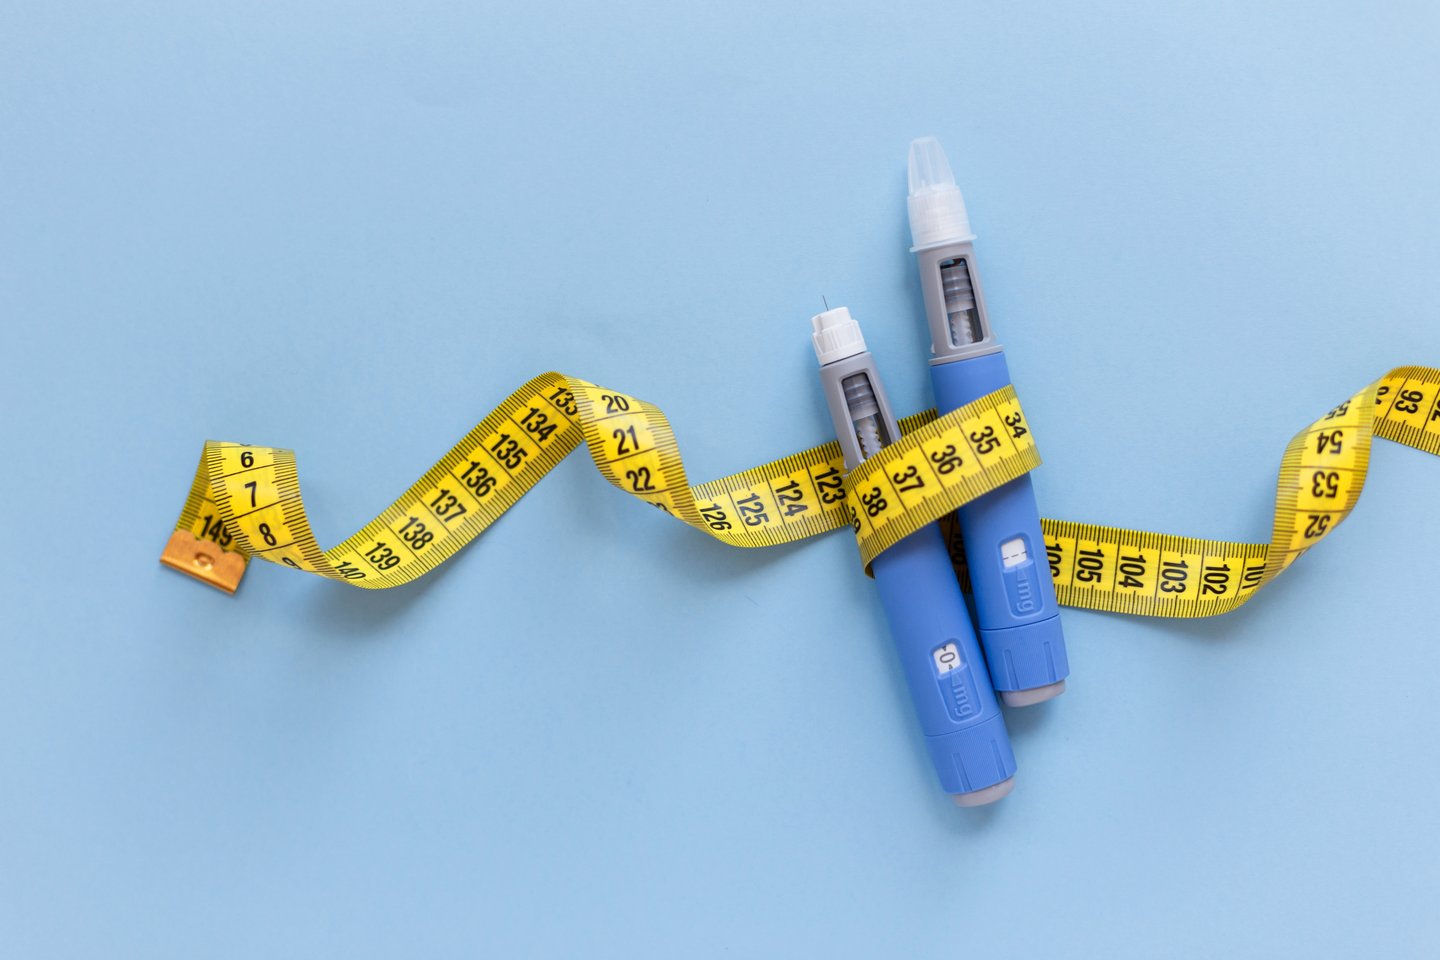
pixel 935 501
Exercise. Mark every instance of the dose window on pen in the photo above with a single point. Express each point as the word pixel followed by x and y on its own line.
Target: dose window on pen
pixel 947 658
pixel 1013 553
pixel 960 307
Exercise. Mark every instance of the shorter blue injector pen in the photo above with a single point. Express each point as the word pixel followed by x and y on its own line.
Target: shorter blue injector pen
pixel 1014 596
pixel 964 729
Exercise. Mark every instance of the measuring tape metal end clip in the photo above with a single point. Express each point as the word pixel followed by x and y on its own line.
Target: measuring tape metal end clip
pixel 204 560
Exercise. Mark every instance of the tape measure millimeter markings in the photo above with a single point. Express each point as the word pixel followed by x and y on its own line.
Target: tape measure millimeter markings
pixel 245 500
pixel 1321 475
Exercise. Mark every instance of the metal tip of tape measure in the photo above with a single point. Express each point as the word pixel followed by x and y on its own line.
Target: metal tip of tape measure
pixel 204 561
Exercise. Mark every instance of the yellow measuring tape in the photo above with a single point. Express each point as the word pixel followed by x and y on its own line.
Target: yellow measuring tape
pixel 245 500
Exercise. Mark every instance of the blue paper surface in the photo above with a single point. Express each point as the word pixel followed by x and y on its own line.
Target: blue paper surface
pixel 352 229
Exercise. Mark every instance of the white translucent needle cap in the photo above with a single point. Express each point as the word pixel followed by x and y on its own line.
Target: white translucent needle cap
pixel 836 335
pixel 937 210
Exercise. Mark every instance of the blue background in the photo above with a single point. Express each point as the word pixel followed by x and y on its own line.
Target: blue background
pixel 351 230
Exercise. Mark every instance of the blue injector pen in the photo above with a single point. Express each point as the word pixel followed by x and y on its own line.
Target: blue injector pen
pixel 1009 572
pixel 964 729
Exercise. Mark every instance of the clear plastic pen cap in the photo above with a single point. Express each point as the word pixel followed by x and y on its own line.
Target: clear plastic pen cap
pixel 937 209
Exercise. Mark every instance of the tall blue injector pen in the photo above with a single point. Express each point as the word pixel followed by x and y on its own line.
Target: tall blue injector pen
pixel 1014 595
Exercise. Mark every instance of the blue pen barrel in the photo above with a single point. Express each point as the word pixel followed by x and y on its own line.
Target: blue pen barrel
pixel 1014 595
pixel 940 655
